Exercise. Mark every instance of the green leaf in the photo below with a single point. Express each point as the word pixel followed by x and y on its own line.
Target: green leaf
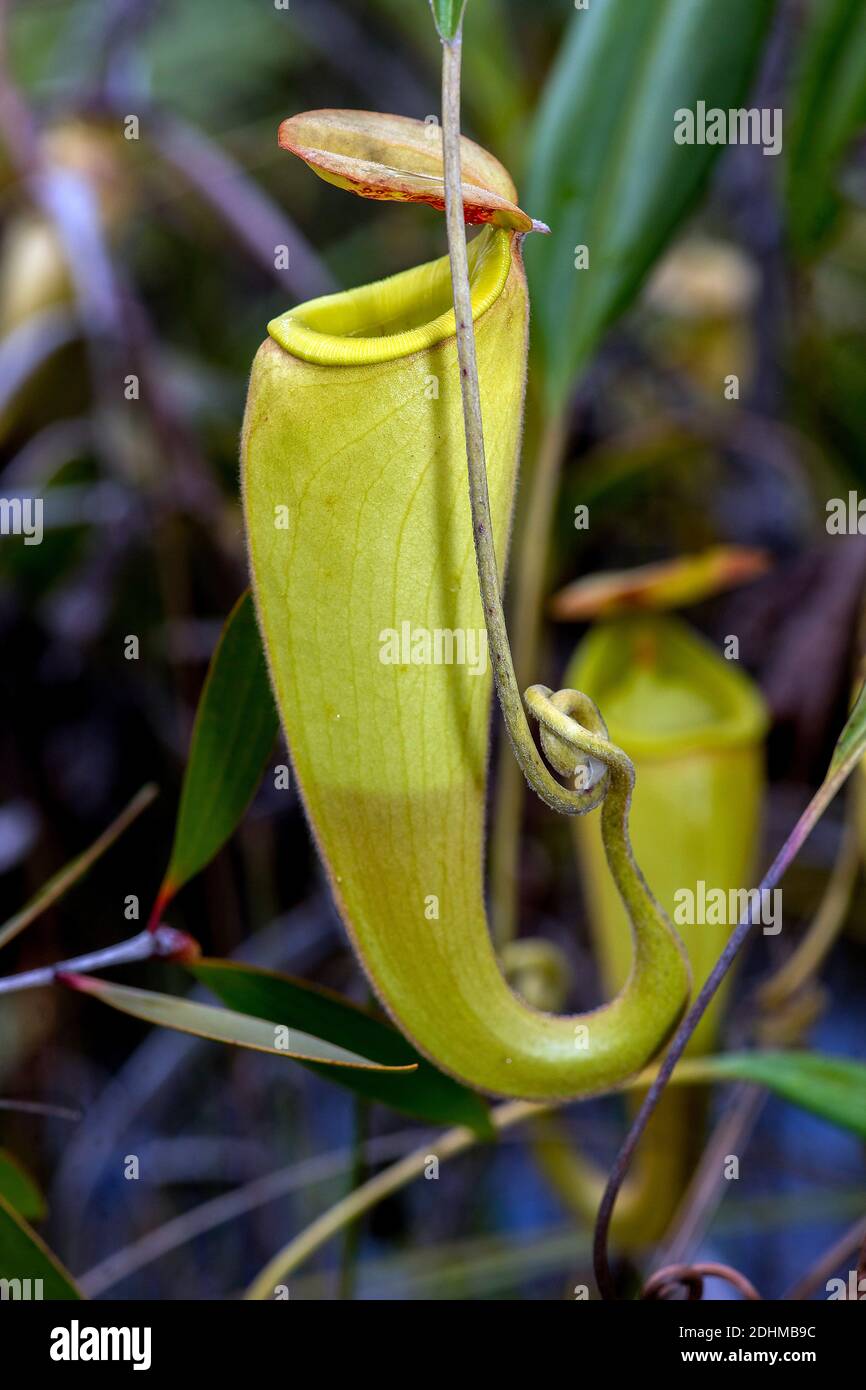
pixel 219 1025
pixel 448 17
pixel 848 753
pixel 235 728
pixel 832 1087
pixel 24 1256
pixel 425 1093
pixel 19 1188
pixel 828 110
pixel 851 744
pixel 62 881
pixel 605 170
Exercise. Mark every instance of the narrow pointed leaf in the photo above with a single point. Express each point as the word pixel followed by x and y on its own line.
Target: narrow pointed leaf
pixel 219 1025
pixel 23 1255
pixel 605 171
pixel 69 875
pixel 234 733
pixel 448 16
pixel 829 110
pixel 19 1189
pixel 397 159
pixel 426 1093
pixel 832 1087
pixel 852 741
pixel 848 753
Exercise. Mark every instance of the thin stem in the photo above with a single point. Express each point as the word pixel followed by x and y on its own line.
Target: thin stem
pixel 786 855
pixel 38 1107
pixel 165 941
pixel 352 1237
pixel 537 775
pixel 804 962
pixel 55 888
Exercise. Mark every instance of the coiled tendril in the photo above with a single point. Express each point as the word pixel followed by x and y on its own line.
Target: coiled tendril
pixel 575 741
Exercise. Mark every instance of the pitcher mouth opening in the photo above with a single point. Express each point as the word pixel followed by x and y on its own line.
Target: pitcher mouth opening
pixel 708 705
pixel 396 317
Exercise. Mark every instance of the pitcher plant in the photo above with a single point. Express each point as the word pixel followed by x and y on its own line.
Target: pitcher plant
pixel 361 549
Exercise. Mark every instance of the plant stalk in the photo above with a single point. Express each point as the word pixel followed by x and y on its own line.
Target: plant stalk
pixel 789 851
pixel 165 941
pixel 534 769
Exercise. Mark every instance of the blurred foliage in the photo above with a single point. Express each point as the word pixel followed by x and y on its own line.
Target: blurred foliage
pixel 234 733
pixel 621 194
pixel 829 112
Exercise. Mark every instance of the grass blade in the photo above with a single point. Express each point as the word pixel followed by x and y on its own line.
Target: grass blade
pixel 219 1025
pixel 69 875
pixel 235 728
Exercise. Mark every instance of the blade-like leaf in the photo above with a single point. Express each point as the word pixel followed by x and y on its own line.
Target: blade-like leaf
pixel 220 1025
pixel 851 744
pixel 24 1256
pixel 833 1087
pixel 426 1093
pixel 62 881
pixel 448 16
pixel 829 109
pixel 849 751
pixel 605 170
pixel 235 728
pixel 19 1188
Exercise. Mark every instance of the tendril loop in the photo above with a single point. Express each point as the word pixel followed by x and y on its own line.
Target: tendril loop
pixel 575 741
pixel 667 1283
